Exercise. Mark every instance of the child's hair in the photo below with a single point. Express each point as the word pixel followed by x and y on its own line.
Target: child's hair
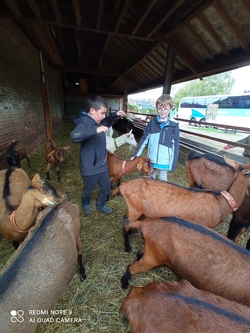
pixel 96 102
pixel 163 100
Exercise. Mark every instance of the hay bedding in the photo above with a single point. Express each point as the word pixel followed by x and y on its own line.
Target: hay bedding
pixel 98 299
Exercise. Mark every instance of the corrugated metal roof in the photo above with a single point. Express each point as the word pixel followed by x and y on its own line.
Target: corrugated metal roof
pixel 122 45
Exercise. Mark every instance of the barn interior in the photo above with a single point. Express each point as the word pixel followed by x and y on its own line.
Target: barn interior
pixel 54 54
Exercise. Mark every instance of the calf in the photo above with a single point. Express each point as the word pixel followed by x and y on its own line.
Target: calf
pixel 209 171
pixel 156 199
pixel 15 154
pixel 38 273
pixel 208 260
pixel 13 182
pixel 118 167
pixel 123 125
pixel 54 156
pixel 113 143
pixel 21 201
pixel 178 307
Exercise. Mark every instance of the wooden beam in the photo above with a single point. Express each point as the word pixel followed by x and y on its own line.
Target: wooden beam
pixel 164 15
pixel 56 11
pixel 142 13
pixel 35 9
pixel 44 36
pixel 78 47
pixel 46 109
pixel 100 14
pixel 240 60
pixel 229 24
pixel 213 33
pixel 246 3
pixel 123 11
pixel 105 46
pixel 30 33
pixel 59 37
pixel 199 39
pixel 79 28
pixel 185 54
pixel 86 70
pixel 169 70
pixel 13 6
pixel 199 9
pixel 77 11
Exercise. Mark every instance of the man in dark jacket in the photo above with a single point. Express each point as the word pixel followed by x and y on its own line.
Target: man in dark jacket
pixel 90 131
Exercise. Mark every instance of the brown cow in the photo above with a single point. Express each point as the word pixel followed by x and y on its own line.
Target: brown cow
pixel 178 307
pixel 38 273
pixel 118 167
pixel 208 171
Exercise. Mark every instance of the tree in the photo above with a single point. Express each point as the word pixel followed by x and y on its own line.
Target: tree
pixel 211 85
pixel 132 107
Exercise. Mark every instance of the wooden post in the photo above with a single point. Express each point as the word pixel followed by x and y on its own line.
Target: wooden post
pixel 46 109
pixel 169 70
pixel 125 95
pixel 46 106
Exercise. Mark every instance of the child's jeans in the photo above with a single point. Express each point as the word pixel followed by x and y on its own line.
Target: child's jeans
pixel 163 174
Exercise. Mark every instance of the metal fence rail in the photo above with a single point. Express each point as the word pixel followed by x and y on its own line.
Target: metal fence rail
pixel 193 138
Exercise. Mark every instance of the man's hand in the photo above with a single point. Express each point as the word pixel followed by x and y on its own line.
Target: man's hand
pixel 121 114
pixel 101 129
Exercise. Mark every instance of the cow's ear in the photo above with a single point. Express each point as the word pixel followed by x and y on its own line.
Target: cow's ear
pixel 36 178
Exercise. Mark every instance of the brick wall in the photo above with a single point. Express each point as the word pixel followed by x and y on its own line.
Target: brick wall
pixel 75 103
pixel 21 104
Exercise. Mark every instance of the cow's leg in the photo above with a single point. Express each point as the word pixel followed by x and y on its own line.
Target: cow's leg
pixel 47 171
pixel 58 174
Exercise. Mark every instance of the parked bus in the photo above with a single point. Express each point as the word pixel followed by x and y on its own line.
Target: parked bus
pixel 219 109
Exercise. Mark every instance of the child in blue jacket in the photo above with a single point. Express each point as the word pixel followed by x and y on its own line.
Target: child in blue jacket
pixel 163 139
